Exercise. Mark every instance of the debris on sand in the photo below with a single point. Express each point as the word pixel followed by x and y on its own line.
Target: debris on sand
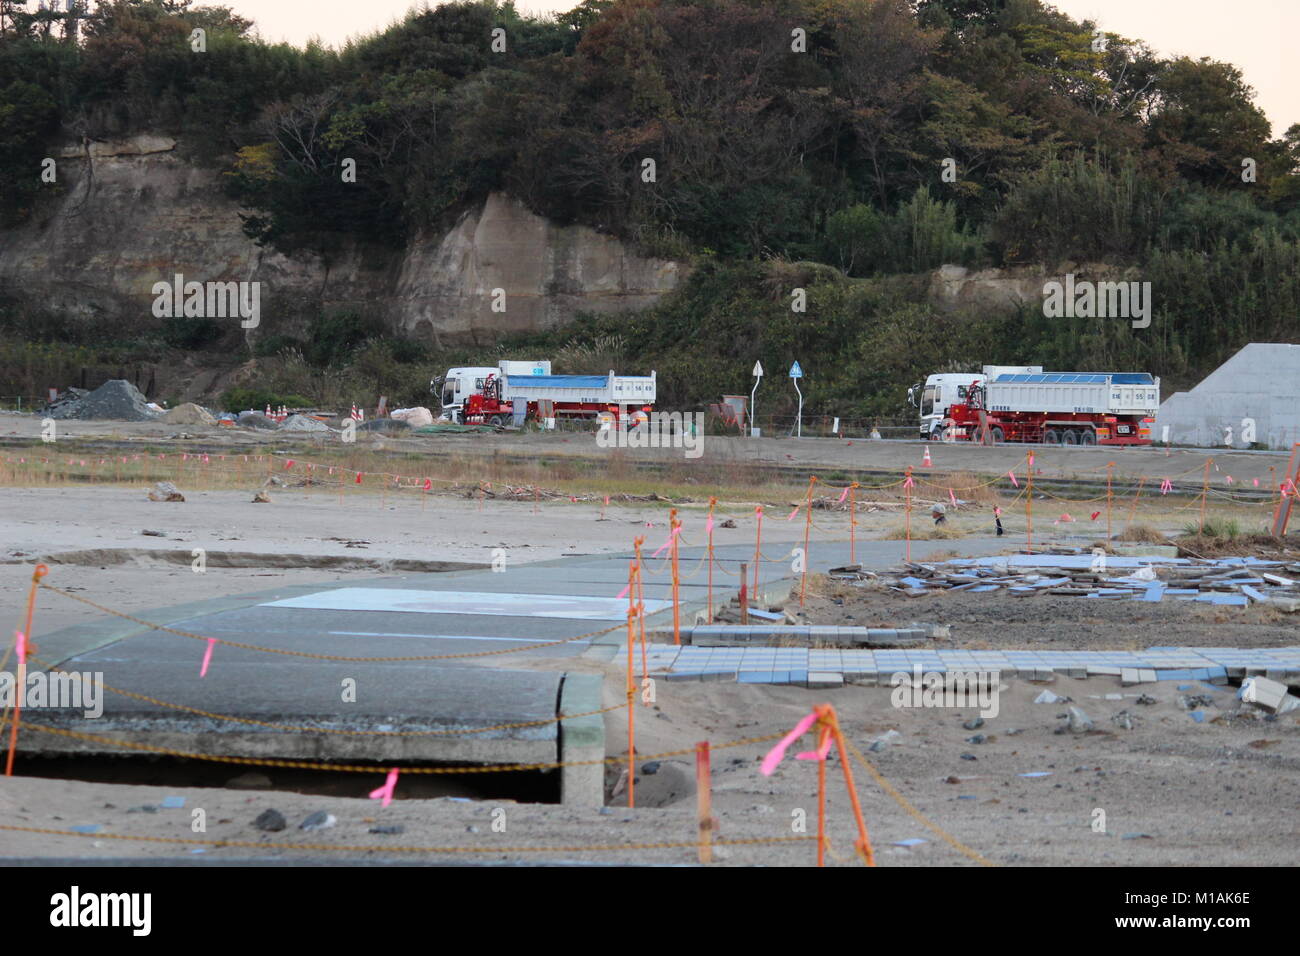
pixel 1272 695
pixel 1231 582
pixel 116 399
pixel 165 491
pixel 261 498
pixel 271 821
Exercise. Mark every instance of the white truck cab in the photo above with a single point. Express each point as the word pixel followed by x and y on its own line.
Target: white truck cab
pixel 945 389
pixel 458 384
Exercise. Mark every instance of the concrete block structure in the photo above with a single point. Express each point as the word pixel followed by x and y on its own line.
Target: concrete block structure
pixel 1258 388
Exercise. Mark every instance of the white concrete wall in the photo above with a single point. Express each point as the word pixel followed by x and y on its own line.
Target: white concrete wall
pixel 1260 383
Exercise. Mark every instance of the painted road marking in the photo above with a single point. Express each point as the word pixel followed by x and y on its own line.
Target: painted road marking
pixel 453 637
pixel 467 602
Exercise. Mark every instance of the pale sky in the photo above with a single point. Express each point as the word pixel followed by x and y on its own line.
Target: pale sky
pixel 1256 35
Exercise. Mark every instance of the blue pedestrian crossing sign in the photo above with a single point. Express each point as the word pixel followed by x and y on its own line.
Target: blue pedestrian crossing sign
pixel 796 371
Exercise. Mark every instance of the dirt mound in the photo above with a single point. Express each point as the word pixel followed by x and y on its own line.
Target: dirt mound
pixel 189 414
pixel 117 399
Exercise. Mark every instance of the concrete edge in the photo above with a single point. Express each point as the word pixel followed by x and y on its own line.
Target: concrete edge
pixel 582 738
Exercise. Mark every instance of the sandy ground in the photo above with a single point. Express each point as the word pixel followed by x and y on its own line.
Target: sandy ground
pixel 1059 461
pixel 293 529
pixel 1173 792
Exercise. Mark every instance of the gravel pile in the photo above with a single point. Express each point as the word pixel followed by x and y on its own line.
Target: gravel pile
pixel 255 420
pixel 117 399
pixel 189 414
pixel 303 423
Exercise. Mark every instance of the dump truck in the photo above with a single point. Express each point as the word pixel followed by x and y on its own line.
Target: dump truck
pixel 516 391
pixel 1026 404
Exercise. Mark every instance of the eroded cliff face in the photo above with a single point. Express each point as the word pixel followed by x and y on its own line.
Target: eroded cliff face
pixel 135 212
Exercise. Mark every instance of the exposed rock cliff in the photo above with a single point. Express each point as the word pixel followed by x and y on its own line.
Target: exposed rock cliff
pixel 135 212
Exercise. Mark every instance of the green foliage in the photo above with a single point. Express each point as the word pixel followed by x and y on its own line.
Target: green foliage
pixel 772 171
pixel 192 334
pixel 1073 208
pixel 257 399
pixel 333 336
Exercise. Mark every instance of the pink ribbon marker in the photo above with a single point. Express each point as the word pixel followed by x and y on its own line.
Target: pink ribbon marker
pixel 793 513
pixel 818 754
pixel 843 494
pixel 708 525
pixel 907 482
pixel 1229 479
pixel 1256 481
pixel 1031 459
pixel 676 531
pixel 428 483
pixel 952 498
pixel 207 657
pixel 385 793
pixel 288 464
pixel 21 642
pixel 1166 486
pixel 777 753
pixel 1012 476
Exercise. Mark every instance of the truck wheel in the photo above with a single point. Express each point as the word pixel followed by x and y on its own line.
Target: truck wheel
pixel 496 420
pixel 998 435
pixel 1087 437
pixel 1070 437
pixel 1051 437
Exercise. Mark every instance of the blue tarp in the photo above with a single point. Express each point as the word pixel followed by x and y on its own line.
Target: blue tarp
pixel 586 382
pixel 1081 378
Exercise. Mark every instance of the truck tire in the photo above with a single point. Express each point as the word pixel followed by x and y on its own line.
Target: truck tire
pixel 1070 437
pixel 1051 437
pixel 1087 437
pixel 497 421
pixel 998 434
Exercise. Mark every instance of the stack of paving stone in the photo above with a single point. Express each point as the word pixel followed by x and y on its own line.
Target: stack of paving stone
pixel 832 667
pixel 742 635
pixel 1225 581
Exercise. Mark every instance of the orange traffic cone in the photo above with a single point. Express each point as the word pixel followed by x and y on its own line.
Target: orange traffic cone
pixel 925 462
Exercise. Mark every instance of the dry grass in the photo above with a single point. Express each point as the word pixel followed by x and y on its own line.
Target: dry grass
pixel 334 470
pixel 925 530
pixel 1142 534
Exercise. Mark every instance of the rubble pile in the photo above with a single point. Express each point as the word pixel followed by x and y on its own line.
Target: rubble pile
pixel 1233 582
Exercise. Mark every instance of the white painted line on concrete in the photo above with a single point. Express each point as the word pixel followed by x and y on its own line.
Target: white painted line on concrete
pixel 450 637
pixel 467 602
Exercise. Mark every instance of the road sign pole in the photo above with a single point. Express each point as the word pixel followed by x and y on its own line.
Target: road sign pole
pixel 799 414
pixel 796 373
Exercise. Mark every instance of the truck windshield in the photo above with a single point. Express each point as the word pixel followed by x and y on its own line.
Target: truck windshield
pixel 449 392
pixel 927 401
